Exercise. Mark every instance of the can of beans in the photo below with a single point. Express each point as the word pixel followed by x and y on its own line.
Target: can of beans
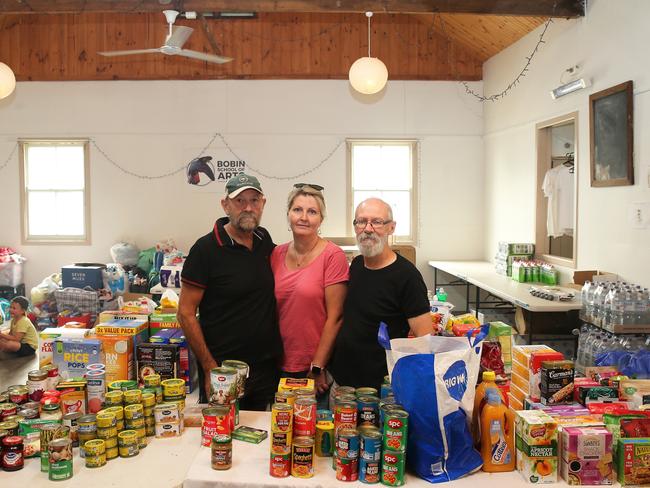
pixel 368 407
pixel 345 390
pixel 369 471
pixel 395 430
pixel 216 421
pixel 281 417
pixel 347 444
pixel 304 417
pixel 302 457
pixel 365 391
pixel 392 468
pixel 345 415
pixel 280 464
pixel 370 442
pixel 347 469
pixel 60 459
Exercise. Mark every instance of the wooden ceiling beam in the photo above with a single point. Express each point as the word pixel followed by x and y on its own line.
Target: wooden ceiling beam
pixel 546 8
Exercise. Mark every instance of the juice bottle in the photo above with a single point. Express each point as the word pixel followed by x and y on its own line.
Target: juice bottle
pixel 479 402
pixel 497 435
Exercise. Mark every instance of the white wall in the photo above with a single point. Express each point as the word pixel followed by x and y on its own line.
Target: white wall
pixel 611 45
pixel 280 128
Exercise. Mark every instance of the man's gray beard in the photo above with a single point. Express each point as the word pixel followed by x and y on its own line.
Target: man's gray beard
pixel 372 247
pixel 246 222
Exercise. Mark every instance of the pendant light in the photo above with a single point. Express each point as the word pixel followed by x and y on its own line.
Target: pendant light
pixel 368 75
pixel 7 81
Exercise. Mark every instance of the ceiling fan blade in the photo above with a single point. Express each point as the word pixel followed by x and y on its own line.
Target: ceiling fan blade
pixel 210 58
pixel 130 51
pixel 179 36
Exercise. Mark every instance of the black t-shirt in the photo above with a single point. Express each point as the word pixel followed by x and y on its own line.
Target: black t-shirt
pixel 392 295
pixel 238 312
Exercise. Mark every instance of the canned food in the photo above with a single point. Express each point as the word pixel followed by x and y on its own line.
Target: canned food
pixel 370 441
pixel 132 396
pixel 83 439
pixel 112 453
pixel 32 405
pixel 134 424
pixel 281 441
pixel 134 411
pixel 117 411
pixel 127 442
pixel 105 419
pixel 392 468
pixel 180 404
pixel 347 469
pixel 221 452
pixel 368 410
pixel 96 389
pixel 223 385
pixel 123 385
pixel 27 414
pixel 173 387
pixel 113 398
pixel 87 426
pixel 324 442
pixel 168 430
pixel 7 409
pixel 305 392
pixel 369 471
pixel 94 447
pixel 105 433
pixel 151 380
pixel 111 442
pixel 345 415
pixel 216 421
pixel 388 403
pixel 365 391
pixel 18 394
pixel 304 416
pixel 281 417
pixel 96 461
pixel 395 430
pixel 50 432
pixel 285 397
pixel 347 444
pixel 148 399
pixel 280 464
pixel 242 373
pixel 345 390
pixel 150 430
pixel 70 420
pixel 60 459
pixel 386 390
pixel 10 426
pixel 166 413
pixel 52 375
pixel 36 384
pixel 302 457
pixel 148 412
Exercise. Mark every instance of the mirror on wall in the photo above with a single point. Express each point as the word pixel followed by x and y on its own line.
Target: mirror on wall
pixel 556 190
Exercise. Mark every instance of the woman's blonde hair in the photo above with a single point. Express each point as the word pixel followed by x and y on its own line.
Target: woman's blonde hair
pixel 308 191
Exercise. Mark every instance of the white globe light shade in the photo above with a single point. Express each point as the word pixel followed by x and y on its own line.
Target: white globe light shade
pixel 7 81
pixel 368 75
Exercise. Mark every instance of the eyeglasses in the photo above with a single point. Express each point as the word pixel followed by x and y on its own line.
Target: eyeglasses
pixel 374 223
pixel 316 187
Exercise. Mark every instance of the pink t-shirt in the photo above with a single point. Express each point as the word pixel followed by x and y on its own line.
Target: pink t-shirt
pixel 300 295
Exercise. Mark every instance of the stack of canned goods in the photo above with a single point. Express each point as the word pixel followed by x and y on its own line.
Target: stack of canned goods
pixel 95 453
pixel 152 394
pixel 107 429
pixel 128 442
pixel 395 431
pixel 226 386
pixel 50 433
pixel 86 431
pixel 281 437
pixel 168 420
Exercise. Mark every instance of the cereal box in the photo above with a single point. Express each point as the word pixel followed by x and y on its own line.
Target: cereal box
pixel 634 461
pixel 72 356
pixel 118 357
pixel 46 341
pixel 536 443
pixel 586 457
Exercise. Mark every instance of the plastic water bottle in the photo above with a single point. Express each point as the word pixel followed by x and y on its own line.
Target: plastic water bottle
pixel 629 306
pixel 584 294
pixel 582 337
pixel 589 302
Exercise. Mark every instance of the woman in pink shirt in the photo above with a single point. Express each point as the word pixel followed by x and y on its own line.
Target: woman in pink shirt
pixel 311 277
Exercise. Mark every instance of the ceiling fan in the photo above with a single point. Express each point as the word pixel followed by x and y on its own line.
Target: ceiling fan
pixel 173 45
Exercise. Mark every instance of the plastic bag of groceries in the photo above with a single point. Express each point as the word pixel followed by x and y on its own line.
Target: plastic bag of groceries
pixel 434 377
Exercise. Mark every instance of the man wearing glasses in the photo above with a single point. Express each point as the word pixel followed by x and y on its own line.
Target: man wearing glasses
pixel 383 287
pixel 227 278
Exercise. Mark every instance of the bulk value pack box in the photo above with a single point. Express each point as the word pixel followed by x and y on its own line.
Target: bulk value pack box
pixel 110 315
pixel 162 359
pixel 586 457
pixel 72 356
pixel 46 340
pixel 160 321
pixel 137 330
pixel 118 356
pixel 536 443
pixel 81 275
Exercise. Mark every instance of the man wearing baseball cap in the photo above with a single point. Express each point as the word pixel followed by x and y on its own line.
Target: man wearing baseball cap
pixel 227 278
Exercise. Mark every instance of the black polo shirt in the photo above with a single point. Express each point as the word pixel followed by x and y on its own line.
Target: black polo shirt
pixel 238 312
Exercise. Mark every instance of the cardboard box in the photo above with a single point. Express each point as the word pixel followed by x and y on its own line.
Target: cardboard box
pixel 579 277
pixel 110 315
pixel 163 359
pixel 536 443
pixel 586 457
pixel 118 356
pixel 160 321
pixel 73 396
pixel 73 356
pixel 633 464
pixel 81 275
pixel 46 340
pixel 503 333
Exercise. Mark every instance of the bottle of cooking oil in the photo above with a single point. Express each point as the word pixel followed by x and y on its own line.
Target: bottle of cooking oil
pixel 497 435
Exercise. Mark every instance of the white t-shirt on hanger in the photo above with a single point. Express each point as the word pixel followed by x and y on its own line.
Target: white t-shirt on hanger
pixel 558 187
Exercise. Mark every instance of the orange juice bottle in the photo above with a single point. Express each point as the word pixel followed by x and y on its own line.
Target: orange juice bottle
pixel 479 402
pixel 497 435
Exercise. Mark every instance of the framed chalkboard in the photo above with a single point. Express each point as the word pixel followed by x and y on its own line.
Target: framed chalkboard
pixel 611 136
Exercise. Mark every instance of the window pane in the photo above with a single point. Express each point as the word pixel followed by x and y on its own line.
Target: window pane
pixel 55 167
pixel 42 209
pixel 70 213
pixel 70 167
pixel 400 203
pixel 381 167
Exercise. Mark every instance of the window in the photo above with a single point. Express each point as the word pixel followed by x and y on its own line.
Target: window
pixel 55 191
pixel 385 169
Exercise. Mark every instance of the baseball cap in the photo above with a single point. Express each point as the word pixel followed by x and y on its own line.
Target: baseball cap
pixel 241 182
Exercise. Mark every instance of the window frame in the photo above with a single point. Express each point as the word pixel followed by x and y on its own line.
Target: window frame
pixel 24 144
pixel 414 144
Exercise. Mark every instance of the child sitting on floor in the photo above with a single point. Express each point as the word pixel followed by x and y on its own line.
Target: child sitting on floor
pixel 22 339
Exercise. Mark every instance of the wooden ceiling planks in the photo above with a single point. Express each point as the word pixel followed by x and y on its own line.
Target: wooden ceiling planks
pixel 272 46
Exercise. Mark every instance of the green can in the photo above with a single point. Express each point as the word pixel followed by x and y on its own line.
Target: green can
pixel 50 432
pixel 395 430
pixel 60 456
pixel 122 385
pixel 392 468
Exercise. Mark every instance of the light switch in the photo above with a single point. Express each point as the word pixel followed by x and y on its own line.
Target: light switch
pixel 638 215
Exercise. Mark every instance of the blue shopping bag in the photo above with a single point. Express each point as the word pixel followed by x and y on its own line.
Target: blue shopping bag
pixel 434 378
